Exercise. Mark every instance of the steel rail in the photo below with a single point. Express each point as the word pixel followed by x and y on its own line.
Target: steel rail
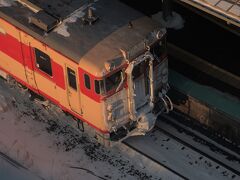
pixel 154 160
pixel 195 148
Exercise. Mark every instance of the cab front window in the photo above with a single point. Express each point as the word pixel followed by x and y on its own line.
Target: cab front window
pixel 109 84
pixel 113 81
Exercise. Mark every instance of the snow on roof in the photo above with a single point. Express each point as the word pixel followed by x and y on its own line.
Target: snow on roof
pixel 6 3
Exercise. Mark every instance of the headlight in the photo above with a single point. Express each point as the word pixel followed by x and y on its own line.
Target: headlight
pixel 110 116
pixel 109 108
pixel 109 112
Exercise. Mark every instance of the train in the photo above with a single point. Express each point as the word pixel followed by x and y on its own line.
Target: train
pixel 100 61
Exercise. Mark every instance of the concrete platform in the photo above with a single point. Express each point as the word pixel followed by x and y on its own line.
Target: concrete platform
pixel 202 65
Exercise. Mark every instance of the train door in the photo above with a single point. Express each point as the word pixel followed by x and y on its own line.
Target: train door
pixel 28 61
pixel 140 80
pixel 73 89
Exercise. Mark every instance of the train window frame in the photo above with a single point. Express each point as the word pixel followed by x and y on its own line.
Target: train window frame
pixel 111 82
pixel 45 68
pixel 72 83
pixel 100 89
pixel 87 81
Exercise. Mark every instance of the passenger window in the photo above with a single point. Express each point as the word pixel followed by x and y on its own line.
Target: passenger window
pixel 72 78
pixel 43 62
pixel 87 81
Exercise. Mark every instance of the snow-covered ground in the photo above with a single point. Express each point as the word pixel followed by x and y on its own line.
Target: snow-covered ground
pixel 6 3
pixel 42 140
pixel 10 170
pixel 180 158
pixel 202 142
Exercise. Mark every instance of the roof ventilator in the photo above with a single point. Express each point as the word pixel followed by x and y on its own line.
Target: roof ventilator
pixel 44 20
pixel 90 18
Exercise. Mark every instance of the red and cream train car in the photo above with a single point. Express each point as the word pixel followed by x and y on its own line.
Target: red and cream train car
pixel 102 62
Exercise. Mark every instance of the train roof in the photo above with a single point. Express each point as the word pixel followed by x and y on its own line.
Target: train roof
pixel 87 45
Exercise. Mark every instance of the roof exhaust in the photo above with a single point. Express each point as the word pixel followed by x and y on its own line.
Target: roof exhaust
pixel 44 20
pixel 40 18
pixel 90 13
pixel 90 18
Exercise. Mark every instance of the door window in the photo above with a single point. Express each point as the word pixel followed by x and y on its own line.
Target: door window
pixel 72 78
pixel 43 62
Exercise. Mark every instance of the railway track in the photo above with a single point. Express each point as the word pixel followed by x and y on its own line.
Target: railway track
pixel 181 176
pixel 179 149
pixel 12 161
pixel 11 169
pixel 224 156
pixel 178 158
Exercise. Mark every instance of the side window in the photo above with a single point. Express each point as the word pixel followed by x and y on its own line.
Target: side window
pixel 97 86
pixel 87 81
pixel 43 62
pixel 72 78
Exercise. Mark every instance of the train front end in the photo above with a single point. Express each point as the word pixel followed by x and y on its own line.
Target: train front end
pixel 139 88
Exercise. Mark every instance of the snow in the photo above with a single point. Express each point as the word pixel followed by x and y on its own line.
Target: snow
pixel 6 3
pixel 62 29
pixel 43 141
pixel 180 158
pixel 9 170
pixel 203 143
pixel 175 21
pixel 3 104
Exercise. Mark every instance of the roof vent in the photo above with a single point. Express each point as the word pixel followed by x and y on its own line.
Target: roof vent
pixel 90 17
pixel 44 21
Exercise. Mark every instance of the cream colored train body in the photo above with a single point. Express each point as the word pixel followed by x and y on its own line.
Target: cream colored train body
pixel 102 62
